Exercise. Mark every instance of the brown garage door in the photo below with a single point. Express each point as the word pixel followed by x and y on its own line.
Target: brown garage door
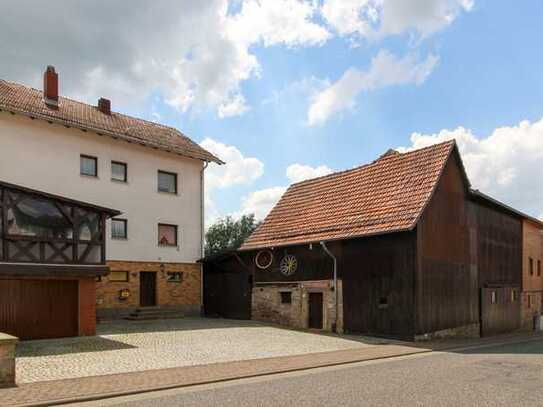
pixel 37 309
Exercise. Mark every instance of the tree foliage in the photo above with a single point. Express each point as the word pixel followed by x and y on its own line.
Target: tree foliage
pixel 229 234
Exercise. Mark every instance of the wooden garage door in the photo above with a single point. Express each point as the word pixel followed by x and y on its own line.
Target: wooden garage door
pixel 37 309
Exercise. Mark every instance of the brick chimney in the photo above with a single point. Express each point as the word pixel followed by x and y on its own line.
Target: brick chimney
pixel 104 105
pixel 50 86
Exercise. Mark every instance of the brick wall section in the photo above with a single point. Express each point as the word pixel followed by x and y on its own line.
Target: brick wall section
pixel 87 307
pixel 532 285
pixel 267 306
pixel 169 294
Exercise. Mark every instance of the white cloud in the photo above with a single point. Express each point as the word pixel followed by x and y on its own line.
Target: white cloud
pixel 272 22
pixel 238 170
pixel 385 70
pixel 299 172
pixel 506 164
pixel 195 53
pixel 261 202
pixel 379 18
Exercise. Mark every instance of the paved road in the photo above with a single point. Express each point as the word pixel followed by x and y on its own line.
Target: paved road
pixel 510 375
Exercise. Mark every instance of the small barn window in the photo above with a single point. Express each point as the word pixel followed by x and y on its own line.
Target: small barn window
pixel 531 266
pixel 493 297
pixel 383 302
pixel 286 297
pixel 513 295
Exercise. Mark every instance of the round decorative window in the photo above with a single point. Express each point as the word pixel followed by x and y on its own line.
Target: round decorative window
pixel 288 265
pixel 264 259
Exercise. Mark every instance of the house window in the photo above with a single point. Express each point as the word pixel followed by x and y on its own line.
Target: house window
pixel 493 297
pixel 539 268
pixel 383 303
pixel 167 235
pixel 119 171
pixel 98 279
pixel 531 266
pixel 174 277
pixel 529 301
pixel 88 166
pixel 119 229
pixel 167 182
pixel 286 297
pixel 120 276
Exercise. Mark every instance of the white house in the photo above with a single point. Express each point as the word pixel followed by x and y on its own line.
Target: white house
pixel 152 173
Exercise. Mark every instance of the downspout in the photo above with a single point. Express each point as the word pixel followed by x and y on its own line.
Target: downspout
pixel 202 233
pixel 329 253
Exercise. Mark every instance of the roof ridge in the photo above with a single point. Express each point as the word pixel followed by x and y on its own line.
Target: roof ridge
pixel 379 160
pixel 79 102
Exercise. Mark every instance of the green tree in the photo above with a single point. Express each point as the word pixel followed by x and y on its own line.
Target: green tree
pixel 229 234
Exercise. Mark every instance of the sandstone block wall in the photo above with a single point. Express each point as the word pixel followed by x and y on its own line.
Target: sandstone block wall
pixel 184 295
pixel 267 306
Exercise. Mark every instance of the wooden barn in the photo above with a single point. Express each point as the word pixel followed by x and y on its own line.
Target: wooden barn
pixel 401 247
pixel 51 250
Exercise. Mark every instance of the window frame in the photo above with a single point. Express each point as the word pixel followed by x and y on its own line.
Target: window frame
pixel 88 157
pixel 125 221
pixel 125 165
pixel 119 281
pixel 172 274
pixel 176 229
pixel 176 181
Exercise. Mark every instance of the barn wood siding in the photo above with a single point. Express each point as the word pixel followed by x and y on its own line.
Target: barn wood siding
pixel 446 279
pixel 499 246
pixel 372 269
pixel 313 264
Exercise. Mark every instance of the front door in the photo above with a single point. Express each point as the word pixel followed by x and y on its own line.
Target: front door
pixel 147 289
pixel 315 310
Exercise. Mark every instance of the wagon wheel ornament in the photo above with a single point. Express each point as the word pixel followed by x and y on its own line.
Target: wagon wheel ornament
pixel 264 259
pixel 288 265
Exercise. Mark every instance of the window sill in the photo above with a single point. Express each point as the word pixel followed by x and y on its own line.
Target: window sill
pixel 89 176
pixel 119 238
pixel 118 181
pixel 168 193
pixel 171 246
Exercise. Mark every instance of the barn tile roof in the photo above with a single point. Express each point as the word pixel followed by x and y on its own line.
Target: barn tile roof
pixel 388 195
pixel 28 101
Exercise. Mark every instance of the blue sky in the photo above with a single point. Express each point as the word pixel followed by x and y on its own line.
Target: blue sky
pixel 466 72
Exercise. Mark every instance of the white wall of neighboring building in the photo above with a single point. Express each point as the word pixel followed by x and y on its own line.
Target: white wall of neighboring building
pixel 46 157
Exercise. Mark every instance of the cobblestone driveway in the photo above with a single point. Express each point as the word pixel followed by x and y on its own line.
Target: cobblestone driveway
pixel 126 346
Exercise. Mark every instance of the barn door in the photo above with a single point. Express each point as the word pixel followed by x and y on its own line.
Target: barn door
pixel 147 289
pixel 500 310
pixel 315 310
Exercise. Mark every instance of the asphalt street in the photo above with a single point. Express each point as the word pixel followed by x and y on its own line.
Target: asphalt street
pixel 507 375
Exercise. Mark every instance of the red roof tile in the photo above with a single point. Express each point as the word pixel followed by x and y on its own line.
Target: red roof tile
pixel 388 195
pixel 29 101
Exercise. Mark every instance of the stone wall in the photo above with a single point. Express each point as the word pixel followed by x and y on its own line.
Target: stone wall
pixel 184 295
pixel 531 306
pixel 267 306
pixel 7 360
pixel 466 331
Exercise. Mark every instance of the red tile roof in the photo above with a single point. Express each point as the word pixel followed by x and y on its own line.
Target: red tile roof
pixel 388 195
pixel 20 99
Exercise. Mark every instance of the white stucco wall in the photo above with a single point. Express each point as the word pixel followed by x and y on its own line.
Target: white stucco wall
pixel 46 157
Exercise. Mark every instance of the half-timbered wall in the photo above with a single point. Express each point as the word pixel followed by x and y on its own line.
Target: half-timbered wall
pixel 446 279
pixel 37 229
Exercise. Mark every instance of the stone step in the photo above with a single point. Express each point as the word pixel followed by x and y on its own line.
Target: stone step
pixel 154 313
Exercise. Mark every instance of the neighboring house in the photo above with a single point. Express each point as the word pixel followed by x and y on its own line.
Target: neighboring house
pixel 532 278
pixel 401 247
pixel 51 251
pixel 152 173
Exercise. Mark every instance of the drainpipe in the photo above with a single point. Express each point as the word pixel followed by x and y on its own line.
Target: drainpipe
pixel 329 253
pixel 202 233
